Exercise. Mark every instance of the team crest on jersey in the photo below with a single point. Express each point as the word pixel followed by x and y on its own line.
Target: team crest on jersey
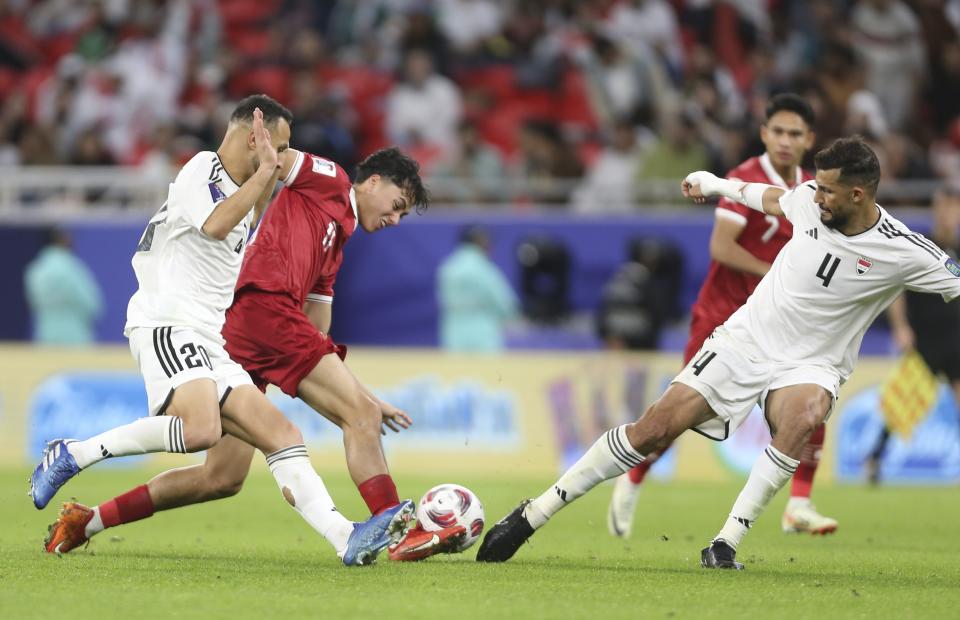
pixel 215 192
pixel 863 265
pixel 952 267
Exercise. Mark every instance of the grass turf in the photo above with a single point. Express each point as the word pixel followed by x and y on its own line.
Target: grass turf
pixel 895 555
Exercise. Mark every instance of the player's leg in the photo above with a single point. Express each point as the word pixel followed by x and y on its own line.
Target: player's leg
pixel 190 423
pixel 800 515
pixel 220 475
pixel 794 413
pixel 249 414
pixel 332 390
pixel 626 491
pixel 616 451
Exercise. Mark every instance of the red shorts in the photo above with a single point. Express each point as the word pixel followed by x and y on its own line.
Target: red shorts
pixel 273 340
pixel 700 329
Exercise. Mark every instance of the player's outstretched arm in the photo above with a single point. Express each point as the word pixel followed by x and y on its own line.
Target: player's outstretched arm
pixel 229 212
pixel 701 185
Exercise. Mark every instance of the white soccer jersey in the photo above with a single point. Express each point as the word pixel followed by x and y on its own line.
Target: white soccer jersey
pixel 826 288
pixel 187 278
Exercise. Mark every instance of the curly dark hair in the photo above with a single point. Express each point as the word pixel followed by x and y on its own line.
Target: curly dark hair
pixel 403 171
pixel 271 108
pixel 856 161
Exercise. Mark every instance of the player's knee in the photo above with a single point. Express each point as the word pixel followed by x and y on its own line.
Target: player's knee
pixel 288 434
pixel 364 419
pixel 201 434
pixel 223 485
pixel 651 433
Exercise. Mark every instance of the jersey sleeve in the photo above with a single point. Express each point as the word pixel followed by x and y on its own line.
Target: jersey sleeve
pixel 322 291
pixel 930 270
pixel 798 203
pixel 320 177
pixel 193 196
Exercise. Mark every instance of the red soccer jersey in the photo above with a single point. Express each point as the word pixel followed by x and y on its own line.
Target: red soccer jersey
pixel 298 247
pixel 726 289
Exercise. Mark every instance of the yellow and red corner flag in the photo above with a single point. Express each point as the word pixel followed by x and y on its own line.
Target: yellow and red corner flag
pixel 907 394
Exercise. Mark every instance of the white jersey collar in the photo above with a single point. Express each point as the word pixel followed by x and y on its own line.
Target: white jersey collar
pixel 774 176
pixel 353 203
pixel 229 185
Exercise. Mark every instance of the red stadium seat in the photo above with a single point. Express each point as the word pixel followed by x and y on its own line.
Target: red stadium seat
pixel 247 12
pixel 271 80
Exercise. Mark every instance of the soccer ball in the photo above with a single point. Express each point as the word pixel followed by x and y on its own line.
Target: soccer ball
pixel 446 505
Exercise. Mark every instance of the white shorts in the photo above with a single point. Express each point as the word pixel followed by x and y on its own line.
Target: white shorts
pixel 733 380
pixel 171 356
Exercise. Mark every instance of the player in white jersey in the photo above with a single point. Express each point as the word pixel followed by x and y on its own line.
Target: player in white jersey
pixel 187 263
pixel 787 349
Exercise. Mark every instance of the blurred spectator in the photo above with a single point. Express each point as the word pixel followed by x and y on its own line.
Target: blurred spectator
pixel 643 26
pixel 63 295
pixel 609 184
pixel 621 86
pixel 323 121
pixel 425 107
pixel 469 24
pixel 476 300
pixel 886 34
pixel 474 174
pixel 546 163
pixel 89 150
pixel 678 151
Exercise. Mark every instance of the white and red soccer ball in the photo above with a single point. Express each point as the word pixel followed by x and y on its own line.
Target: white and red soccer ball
pixel 451 504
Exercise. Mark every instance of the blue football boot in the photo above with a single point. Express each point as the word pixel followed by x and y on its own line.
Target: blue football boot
pixel 372 536
pixel 56 467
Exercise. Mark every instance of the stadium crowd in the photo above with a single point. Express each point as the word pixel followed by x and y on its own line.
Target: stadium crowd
pixel 577 102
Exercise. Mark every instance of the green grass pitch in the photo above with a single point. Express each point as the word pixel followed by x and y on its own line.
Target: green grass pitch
pixel 896 555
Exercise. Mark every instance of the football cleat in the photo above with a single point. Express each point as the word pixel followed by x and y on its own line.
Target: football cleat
pixel 56 467
pixel 506 536
pixel 372 536
pixel 419 544
pixel 803 517
pixel 720 555
pixel 69 530
pixel 623 505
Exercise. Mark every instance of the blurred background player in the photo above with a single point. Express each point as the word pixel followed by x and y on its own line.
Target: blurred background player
pixel 922 322
pixel 187 263
pixel 64 297
pixel 743 245
pixel 476 299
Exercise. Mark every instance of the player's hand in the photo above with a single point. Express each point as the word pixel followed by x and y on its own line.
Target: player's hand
pixel 904 338
pixel 699 186
pixel 393 418
pixel 265 150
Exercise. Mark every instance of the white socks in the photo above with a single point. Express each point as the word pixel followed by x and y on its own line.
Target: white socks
pixel 142 436
pixel 305 491
pixel 772 470
pixel 95 525
pixel 609 457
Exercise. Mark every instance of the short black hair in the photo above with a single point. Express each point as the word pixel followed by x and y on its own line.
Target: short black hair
pixel 271 108
pixel 791 102
pixel 856 161
pixel 403 171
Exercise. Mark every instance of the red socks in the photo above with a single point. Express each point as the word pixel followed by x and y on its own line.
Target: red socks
pixel 379 493
pixel 131 506
pixel 809 460
pixel 638 473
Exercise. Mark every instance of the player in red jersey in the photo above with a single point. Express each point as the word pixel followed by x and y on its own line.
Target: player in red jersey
pixel 277 327
pixel 743 245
